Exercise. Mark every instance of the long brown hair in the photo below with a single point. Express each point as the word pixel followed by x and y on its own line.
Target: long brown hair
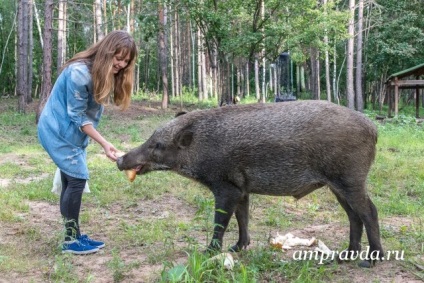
pixel 99 59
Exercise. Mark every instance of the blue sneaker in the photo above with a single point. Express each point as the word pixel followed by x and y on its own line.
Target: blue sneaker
pixel 78 248
pixel 87 241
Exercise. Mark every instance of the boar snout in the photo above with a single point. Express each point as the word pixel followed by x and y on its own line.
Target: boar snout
pixel 119 162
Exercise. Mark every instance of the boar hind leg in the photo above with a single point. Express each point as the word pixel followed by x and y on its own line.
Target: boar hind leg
pixel 359 207
pixel 227 197
pixel 356 226
pixel 242 216
pixel 368 213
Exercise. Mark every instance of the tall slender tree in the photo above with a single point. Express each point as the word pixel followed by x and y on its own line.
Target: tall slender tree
pixel 30 53
pixel 350 49
pixel 46 85
pixel 327 56
pixel 358 74
pixel 23 66
pixel 98 19
pixel 163 58
pixel 263 55
pixel 61 34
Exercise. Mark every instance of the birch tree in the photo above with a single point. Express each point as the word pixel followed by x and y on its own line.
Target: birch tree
pixel 61 34
pixel 98 19
pixel 263 52
pixel 257 82
pixel 177 54
pixel 350 49
pixel 200 78
pixel 327 58
pixel 359 43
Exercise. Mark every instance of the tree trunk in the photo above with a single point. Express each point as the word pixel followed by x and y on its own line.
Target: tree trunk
pixel 359 44
pixel 335 88
pixel 327 60
pixel 193 60
pixel 98 18
pixel 350 48
pixel 247 80
pixel 263 53
pixel 200 78
pixel 205 77
pixel 317 77
pixel 37 18
pixel 23 51
pixel 172 54
pixel 146 68
pixel 257 83
pixel 177 55
pixel 163 60
pixel 315 74
pixel 61 35
pixel 132 16
pixel 30 53
pixel 215 73
pixel 46 84
pixel 224 81
pixel 129 16
pixel 239 79
pixel 104 4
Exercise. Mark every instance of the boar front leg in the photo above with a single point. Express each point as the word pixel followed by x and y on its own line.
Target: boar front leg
pixel 242 216
pixel 227 198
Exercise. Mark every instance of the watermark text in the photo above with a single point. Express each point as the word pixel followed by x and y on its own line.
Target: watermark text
pixel 347 255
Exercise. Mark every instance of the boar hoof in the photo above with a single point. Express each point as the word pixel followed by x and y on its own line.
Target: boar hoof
pixel 235 249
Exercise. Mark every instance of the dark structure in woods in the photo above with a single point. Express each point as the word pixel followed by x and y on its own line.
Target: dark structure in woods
pixel 406 79
pixel 284 78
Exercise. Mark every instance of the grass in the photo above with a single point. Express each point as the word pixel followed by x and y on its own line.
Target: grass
pixel 164 221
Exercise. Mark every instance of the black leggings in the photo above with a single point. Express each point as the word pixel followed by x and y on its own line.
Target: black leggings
pixel 70 204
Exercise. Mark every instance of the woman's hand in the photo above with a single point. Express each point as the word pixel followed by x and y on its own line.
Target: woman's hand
pixel 109 149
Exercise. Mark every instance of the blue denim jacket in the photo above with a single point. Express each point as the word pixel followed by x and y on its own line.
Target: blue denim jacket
pixel 70 106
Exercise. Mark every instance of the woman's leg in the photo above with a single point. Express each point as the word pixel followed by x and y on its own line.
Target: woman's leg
pixel 70 204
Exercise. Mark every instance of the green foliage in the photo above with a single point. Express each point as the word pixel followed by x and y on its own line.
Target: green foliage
pixel 396 38
pixel 238 30
pixel 7 49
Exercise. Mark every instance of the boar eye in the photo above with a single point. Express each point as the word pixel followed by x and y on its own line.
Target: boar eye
pixel 159 146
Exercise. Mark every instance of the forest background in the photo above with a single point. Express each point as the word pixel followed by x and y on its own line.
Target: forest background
pixel 342 51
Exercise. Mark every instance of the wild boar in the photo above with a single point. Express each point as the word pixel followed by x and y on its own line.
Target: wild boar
pixel 279 149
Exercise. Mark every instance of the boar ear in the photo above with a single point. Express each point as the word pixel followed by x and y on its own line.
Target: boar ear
pixel 184 138
pixel 180 113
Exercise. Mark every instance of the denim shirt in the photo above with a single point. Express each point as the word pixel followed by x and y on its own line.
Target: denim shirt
pixel 70 106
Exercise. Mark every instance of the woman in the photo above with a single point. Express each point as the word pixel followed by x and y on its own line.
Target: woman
pixel 88 81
